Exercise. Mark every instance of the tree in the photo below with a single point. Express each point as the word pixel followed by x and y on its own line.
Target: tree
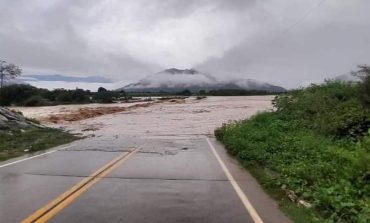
pixel 16 94
pixel 185 92
pixel 364 74
pixel 104 97
pixel 123 94
pixel 101 89
pixel 202 92
pixel 8 71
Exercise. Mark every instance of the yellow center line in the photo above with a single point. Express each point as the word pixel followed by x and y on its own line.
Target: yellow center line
pixel 59 203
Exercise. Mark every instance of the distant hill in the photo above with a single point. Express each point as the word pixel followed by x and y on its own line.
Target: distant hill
pixel 65 78
pixel 174 80
pixel 347 78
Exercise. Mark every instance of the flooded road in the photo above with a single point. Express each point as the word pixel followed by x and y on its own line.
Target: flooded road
pixel 151 164
pixel 188 117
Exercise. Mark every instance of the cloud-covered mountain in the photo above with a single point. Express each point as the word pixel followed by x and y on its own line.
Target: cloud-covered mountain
pixel 172 80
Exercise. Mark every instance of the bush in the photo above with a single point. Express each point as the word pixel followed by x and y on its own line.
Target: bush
pixel 27 95
pixel 16 94
pixel 104 97
pixel 35 100
pixel 333 109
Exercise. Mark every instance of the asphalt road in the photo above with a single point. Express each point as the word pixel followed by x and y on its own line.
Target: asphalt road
pixel 133 178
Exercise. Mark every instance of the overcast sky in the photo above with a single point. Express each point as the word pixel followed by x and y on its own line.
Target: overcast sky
pixel 283 42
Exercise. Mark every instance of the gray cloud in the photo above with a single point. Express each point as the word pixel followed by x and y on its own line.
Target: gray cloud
pixel 127 40
pixel 331 41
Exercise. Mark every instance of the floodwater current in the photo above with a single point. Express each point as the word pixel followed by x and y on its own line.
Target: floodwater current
pixel 191 117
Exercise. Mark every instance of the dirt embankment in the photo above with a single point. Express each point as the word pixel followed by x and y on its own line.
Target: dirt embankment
pixel 86 113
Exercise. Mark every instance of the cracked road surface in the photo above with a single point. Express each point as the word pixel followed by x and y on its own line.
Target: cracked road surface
pixel 157 164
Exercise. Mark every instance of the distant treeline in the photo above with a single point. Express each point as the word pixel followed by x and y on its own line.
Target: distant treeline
pixel 27 95
pixel 220 92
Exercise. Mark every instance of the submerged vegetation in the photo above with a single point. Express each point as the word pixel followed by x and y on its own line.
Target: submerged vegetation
pixel 313 149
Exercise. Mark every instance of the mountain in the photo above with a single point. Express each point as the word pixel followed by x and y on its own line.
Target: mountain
pixel 174 80
pixel 347 78
pixel 65 78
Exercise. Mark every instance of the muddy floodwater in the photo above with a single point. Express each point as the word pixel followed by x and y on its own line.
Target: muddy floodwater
pixel 189 117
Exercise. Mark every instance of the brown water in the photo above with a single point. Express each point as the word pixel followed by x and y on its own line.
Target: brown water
pixel 42 112
pixel 194 117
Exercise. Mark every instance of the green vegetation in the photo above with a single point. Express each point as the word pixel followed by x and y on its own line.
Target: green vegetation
pixel 18 142
pixel 105 96
pixel 314 147
pixel 237 92
pixel 27 95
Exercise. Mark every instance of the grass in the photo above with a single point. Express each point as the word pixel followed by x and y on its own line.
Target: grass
pixel 315 147
pixel 295 212
pixel 20 142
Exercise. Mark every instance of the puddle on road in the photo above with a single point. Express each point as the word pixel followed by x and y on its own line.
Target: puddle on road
pixel 160 146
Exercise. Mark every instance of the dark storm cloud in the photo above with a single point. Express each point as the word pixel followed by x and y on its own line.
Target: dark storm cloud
pixel 284 42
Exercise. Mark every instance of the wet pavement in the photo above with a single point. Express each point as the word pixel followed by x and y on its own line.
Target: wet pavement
pixel 172 177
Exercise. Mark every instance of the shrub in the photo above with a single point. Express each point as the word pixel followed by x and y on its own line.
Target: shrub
pixel 332 109
pixel 364 74
pixel 104 97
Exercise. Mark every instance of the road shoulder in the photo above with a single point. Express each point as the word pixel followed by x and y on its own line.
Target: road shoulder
pixel 266 207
